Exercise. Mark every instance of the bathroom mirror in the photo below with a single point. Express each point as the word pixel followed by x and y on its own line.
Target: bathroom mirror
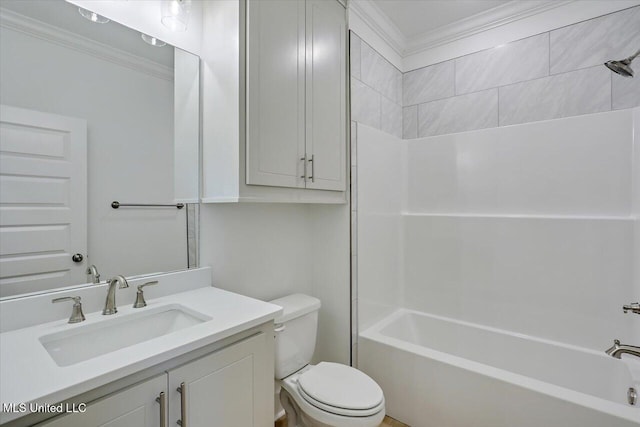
pixel 92 114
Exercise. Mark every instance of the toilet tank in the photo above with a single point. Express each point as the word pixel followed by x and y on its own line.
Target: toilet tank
pixel 295 333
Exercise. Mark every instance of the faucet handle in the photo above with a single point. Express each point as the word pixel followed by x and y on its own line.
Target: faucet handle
pixel 140 302
pixel 76 314
pixel 634 307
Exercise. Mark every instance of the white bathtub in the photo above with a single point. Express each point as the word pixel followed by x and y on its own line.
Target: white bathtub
pixel 440 372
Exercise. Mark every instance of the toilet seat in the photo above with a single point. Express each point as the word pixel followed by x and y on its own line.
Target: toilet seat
pixel 341 390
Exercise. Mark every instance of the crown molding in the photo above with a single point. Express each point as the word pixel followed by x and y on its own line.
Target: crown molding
pixel 380 23
pixel 50 33
pixel 484 21
pixel 510 12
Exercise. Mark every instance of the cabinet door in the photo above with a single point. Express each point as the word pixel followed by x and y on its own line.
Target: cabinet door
pixel 132 407
pixel 275 93
pixel 326 94
pixel 231 387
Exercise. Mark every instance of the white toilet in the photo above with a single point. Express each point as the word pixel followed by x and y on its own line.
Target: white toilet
pixel 324 395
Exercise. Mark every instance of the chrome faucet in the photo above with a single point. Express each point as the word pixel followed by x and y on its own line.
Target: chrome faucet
pixel 617 350
pixel 93 272
pixel 110 303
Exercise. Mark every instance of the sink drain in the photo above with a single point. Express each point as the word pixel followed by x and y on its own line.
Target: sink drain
pixel 632 396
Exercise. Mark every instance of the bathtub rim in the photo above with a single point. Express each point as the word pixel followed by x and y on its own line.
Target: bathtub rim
pixel 628 413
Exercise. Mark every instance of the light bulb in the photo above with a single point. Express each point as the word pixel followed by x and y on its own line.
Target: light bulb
pixel 152 40
pixel 92 16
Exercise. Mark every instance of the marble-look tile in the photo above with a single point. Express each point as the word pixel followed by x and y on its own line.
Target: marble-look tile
pixel 410 122
pixel 354 277
pixel 563 95
pixel 354 188
pixel 521 60
pixel 354 233
pixel 428 84
pixel 354 321
pixel 377 72
pixel 391 117
pixel 365 104
pixel 192 234
pixel 626 91
pixel 476 110
pixel 354 143
pixel 354 55
pixel 354 353
pixel 593 42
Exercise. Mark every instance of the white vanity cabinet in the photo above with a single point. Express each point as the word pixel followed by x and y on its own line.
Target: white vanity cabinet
pixel 231 387
pixel 135 406
pixel 226 388
pixel 296 94
pixel 275 104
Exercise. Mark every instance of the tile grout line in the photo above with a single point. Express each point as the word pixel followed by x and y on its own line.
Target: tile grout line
pixel 549 71
pixel 498 89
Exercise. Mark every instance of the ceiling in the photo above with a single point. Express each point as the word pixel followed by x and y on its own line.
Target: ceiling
pixel 414 17
pixel 61 14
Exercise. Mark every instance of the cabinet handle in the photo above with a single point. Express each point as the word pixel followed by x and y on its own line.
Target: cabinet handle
pixel 162 400
pixel 304 163
pixel 311 177
pixel 183 405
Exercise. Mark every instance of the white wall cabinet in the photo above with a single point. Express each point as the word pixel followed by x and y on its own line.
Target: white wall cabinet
pixel 231 387
pixel 288 78
pixel 296 99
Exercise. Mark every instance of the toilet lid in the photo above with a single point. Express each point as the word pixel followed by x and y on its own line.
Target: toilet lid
pixel 341 387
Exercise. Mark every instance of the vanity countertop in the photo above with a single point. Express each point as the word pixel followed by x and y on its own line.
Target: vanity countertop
pixel 29 374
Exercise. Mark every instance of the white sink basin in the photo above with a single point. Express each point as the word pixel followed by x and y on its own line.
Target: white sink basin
pixel 84 342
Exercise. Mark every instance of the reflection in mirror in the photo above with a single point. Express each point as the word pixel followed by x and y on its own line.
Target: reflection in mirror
pixel 92 114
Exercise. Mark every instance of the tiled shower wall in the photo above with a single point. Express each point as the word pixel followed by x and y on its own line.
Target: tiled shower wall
pixel 376 89
pixel 550 75
pixel 547 76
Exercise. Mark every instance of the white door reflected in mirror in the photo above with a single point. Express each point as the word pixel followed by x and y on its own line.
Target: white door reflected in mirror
pixel 43 200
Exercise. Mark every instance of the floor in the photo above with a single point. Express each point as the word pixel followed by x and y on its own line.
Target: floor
pixel 387 422
pixel 390 422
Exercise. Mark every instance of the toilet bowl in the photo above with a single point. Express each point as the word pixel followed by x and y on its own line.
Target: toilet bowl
pixel 331 394
pixel 323 395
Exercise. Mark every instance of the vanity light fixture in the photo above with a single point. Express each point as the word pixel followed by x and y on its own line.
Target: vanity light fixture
pixel 92 16
pixel 152 40
pixel 175 14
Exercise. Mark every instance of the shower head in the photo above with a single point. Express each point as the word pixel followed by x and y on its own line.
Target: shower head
pixel 622 67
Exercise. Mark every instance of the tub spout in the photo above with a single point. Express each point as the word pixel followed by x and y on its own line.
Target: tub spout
pixel 617 350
